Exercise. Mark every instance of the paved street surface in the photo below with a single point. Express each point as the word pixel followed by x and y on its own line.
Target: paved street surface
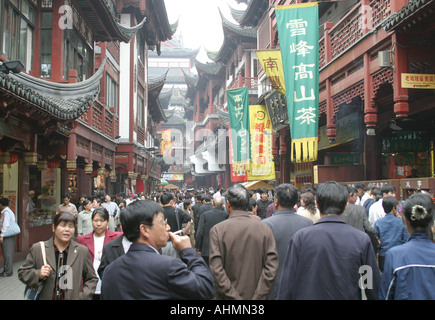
pixel 11 288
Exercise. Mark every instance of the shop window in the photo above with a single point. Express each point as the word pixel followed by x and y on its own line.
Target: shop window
pixel 45 50
pixel 405 154
pixel 77 55
pixel 44 195
pixel 112 92
pixel 140 111
pixel 17 30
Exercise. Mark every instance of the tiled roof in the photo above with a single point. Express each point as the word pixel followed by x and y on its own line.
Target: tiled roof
pixel 63 101
pixel 228 26
pixel 208 68
pixel 404 18
pixel 105 24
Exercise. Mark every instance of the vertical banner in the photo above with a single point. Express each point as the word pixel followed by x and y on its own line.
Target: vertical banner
pixel 271 62
pixel 298 31
pixel 165 145
pixel 238 110
pixel 261 166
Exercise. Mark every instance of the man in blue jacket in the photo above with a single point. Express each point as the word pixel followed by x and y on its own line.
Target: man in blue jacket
pixel 142 273
pixel 330 259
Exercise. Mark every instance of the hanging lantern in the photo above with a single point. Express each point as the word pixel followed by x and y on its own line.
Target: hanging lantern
pixel 13 157
pixel 53 163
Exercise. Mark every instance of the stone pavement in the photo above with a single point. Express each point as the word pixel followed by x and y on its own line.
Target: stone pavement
pixel 11 288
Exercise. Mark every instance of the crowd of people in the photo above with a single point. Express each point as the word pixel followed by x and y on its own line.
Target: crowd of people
pixel 331 242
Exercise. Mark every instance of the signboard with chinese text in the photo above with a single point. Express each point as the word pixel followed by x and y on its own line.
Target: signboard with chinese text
pixel 277 108
pixel 405 141
pixel 298 31
pixel 418 81
pixel 271 62
pixel 261 165
pixel 238 110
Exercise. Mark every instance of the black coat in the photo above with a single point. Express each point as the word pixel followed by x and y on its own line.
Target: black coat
pixel 143 274
pixel 207 221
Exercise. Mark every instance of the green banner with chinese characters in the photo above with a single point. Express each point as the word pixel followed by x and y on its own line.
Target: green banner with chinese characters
pixel 298 32
pixel 238 110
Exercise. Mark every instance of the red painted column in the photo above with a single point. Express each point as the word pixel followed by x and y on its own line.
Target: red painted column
pixel 370 109
pixel 331 127
pixel 401 95
pixel 328 51
pixel 57 44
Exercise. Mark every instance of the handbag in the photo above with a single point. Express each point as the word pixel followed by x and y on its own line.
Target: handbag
pixel 33 293
pixel 12 230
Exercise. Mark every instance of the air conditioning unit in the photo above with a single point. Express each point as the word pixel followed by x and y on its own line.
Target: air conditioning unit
pixel 384 59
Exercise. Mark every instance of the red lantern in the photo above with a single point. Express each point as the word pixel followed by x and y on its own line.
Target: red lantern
pixel 53 163
pixel 13 157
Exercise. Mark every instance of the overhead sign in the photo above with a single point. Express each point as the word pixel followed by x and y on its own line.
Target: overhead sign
pixel 418 81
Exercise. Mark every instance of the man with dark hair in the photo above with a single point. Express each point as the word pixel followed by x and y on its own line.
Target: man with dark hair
pixel 284 224
pixel 7 242
pixel 376 211
pixel 263 203
pixel 207 221
pixel 237 241
pixel 390 229
pixel 327 260
pixel 355 216
pixel 67 206
pixel 206 206
pixel 176 218
pixel 142 273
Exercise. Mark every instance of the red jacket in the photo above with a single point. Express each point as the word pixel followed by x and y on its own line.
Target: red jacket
pixel 88 240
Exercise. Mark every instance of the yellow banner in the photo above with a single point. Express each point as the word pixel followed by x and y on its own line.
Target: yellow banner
pixel 271 62
pixel 261 166
pixel 165 145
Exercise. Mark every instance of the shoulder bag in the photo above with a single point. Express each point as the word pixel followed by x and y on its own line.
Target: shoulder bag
pixel 33 293
pixel 13 229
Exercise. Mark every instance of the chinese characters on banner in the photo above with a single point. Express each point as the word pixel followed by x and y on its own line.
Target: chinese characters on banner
pixel 298 31
pixel 271 62
pixel 238 110
pixel 261 165
pixel 165 146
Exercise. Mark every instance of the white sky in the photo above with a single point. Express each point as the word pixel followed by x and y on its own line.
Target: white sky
pixel 199 21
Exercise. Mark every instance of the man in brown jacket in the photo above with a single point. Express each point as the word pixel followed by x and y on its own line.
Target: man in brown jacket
pixel 243 255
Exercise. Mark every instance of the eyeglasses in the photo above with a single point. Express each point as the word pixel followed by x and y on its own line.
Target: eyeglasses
pixel 164 222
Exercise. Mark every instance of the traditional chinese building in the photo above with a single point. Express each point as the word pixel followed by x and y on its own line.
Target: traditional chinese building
pixel 60 117
pixel 233 66
pixel 176 60
pixel 375 103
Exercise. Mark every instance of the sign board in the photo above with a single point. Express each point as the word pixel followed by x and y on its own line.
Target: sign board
pixel 418 81
pixel 277 107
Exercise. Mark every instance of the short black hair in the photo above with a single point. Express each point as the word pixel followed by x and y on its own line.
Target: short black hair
pixel 332 198
pixel 166 197
pixel 137 213
pixel 102 212
pixel 4 202
pixel 64 217
pixel 287 195
pixel 388 203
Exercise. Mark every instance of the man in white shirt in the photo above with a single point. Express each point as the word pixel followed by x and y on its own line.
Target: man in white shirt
pixel 368 193
pixel 376 210
pixel 7 243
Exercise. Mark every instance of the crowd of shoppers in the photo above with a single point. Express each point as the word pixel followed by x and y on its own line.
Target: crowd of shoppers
pixel 238 244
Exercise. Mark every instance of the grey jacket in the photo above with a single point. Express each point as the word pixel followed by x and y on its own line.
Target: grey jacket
pixel 284 223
